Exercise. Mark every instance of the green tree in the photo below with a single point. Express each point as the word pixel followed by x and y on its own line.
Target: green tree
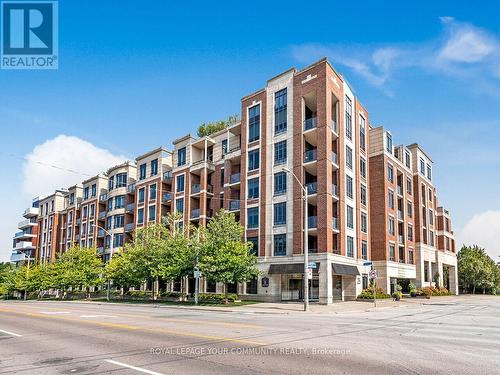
pixel 224 257
pixel 477 270
pixel 206 129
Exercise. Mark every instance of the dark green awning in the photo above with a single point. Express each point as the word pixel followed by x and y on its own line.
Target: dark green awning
pixel 345 269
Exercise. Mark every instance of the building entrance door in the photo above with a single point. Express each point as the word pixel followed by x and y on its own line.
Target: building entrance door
pixel 337 288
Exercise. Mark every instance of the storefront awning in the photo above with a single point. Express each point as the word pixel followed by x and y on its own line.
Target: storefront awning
pixel 344 269
pixel 282 269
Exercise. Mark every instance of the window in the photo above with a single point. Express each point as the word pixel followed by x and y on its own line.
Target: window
pixel 446 224
pixel 280 153
pixel 119 201
pixel 280 183
pixel 253 188
pixel 348 118
pixel 390 173
pixel 91 228
pixel 429 172
pixel 118 240
pixel 109 222
pixel 119 221
pixel 179 183
pixel 280 111
pixel 280 213
pixel 253 217
pixel 362 133
pixel 279 245
pixel 254 123
pixel 363 194
pixel 348 157
pixel 348 182
pixel 152 192
pixel 179 205
pixel 392 252
pixel 350 217
pixel 392 230
pixel 430 195
pixel 391 199
pixel 407 159
pixel 409 208
pixel 84 212
pixel 72 199
pixel 140 199
pixel 140 215
pixel 388 144
pixel 364 223
pixel 364 250
pixel 362 167
pixel 431 217
pixel 181 156
pixel 93 190
pixel 142 171
pixel 225 148
pixel 350 246
pixel 422 167
pixel 222 177
pixel 431 238
pixel 70 217
pixel 84 229
pixel 110 204
pixel 410 232
pixel 152 213
pixel 121 180
pixel 411 258
pixel 408 185
pixel 254 249
pixel 253 160
pixel 401 254
pixel 252 286
pixel 85 193
pixel 154 167
pixel 92 210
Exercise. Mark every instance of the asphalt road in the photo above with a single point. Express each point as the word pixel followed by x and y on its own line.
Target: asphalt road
pixel 461 336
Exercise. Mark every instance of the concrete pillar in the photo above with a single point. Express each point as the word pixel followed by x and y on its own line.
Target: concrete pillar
pixel 453 272
pixel 325 283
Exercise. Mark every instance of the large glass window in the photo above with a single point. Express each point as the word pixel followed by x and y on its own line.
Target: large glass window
pixel 93 190
pixel 120 201
pixel 280 153
pixel 140 215
pixel 350 246
pixel 391 226
pixel 255 245
pixel 119 221
pixel 179 205
pixel 181 156
pixel 348 157
pixel 348 118
pixel 280 111
pixel 363 196
pixel 280 183
pixel 253 188
pixel 152 192
pixel 350 217
pixel 179 183
pixel 254 123
pixel 388 142
pixel 348 182
pixel 392 252
pixel 391 199
pixel 362 167
pixel 152 213
pixel 140 199
pixel 280 213
pixel 364 223
pixel 86 192
pixel 154 167
pixel 364 249
pixel 121 180
pixel 279 245
pixel 142 171
pixel 362 133
pixel 390 173
pixel 253 159
pixel 253 217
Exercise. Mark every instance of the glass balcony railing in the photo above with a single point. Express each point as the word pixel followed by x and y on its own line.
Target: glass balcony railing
pixel 312 222
pixel 235 178
pixel 234 205
pixel 309 156
pixel 167 197
pixel 335 159
pixel 309 123
pixel 129 227
pixel 102 215
pixel 167 175
pixel 400 215
pixel 195 188
pixel 335 190
pixel 312 188
pixel 335 223
pixel 130 207
pixel 334 126
pixel 195 213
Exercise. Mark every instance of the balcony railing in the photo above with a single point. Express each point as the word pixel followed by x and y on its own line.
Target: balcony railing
pixel 400 190
pixel 30 212
pixel 309 123
pixel 102 215
pixel 312 188
pixel 129 227
pixel 235 178
pixel 130 207
pixel 195 213
pixel 335 190
pixel 400 215
pixel 234 205
pixel 167 175
pixel 167 197
pixel 100 233
pixel 334 126
pixel 401 239
pixel 309 156
pixel 78 221
pixel 26 223
pixel 100 250
pixel 103 197
pixel 335 223
pixel 335 159
pixel 195 188
pixel 131 188
pixel 312 222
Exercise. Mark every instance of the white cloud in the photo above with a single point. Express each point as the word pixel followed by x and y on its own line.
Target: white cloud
pixel 64 161
pixel 483 230
pixel 462 50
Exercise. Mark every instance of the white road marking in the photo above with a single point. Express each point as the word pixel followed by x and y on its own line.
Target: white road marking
pixel 54 312
pixel 132 367
pixel 10 333
pixel 97 316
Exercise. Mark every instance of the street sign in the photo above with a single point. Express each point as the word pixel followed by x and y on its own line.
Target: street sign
pixel 373 274
pixel 312 265
pixel 197 274
pixel 367 264
pixel 309 274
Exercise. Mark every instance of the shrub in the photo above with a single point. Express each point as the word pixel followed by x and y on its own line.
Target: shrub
pixel 429 291
pixel 139 294
pixel 397 295
pixel 218 298
pixel 368 294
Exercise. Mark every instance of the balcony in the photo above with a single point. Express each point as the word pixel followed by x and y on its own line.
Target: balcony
pixel 23 245
pixel 312 188
pixel 166 197
pixel 202 164
pixel 102 215
pixel 309 123
pixel 235 178
pixel 77 237
pixel 103 197
pixel 335 159
pixel 31 212
pixel 310 156
pixel 401 239
pixel 167 176
pixel 129 227
pixel 335 224
pixel 334 126
pixel 24 236
pixel 26 224
pixel 100 250
pixel 335 191
pixel 19 257
pixel 100 233
pixel 234 205
pixel 130 208
pixel 312 222
pixel 400 215
pixel 78 221
pixel 400 190
pixel 195 214
pixel 195 188
pixel 131 188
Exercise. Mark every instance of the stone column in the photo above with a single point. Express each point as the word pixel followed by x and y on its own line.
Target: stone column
pixel 325 283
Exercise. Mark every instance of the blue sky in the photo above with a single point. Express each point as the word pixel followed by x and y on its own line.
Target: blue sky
pixel 135 75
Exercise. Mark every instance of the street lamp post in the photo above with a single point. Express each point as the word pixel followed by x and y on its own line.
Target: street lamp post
pixel 110 255
pixel 306 244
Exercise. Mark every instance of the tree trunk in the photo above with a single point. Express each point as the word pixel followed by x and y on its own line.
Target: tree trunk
pixel 474 289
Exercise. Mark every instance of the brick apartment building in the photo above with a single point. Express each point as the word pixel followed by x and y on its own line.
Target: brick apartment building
pixel 368 200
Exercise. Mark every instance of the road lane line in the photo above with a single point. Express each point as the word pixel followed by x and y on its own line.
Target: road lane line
pixel 11 333
pixel 54 312
pixel 97 316
pixel 132 367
